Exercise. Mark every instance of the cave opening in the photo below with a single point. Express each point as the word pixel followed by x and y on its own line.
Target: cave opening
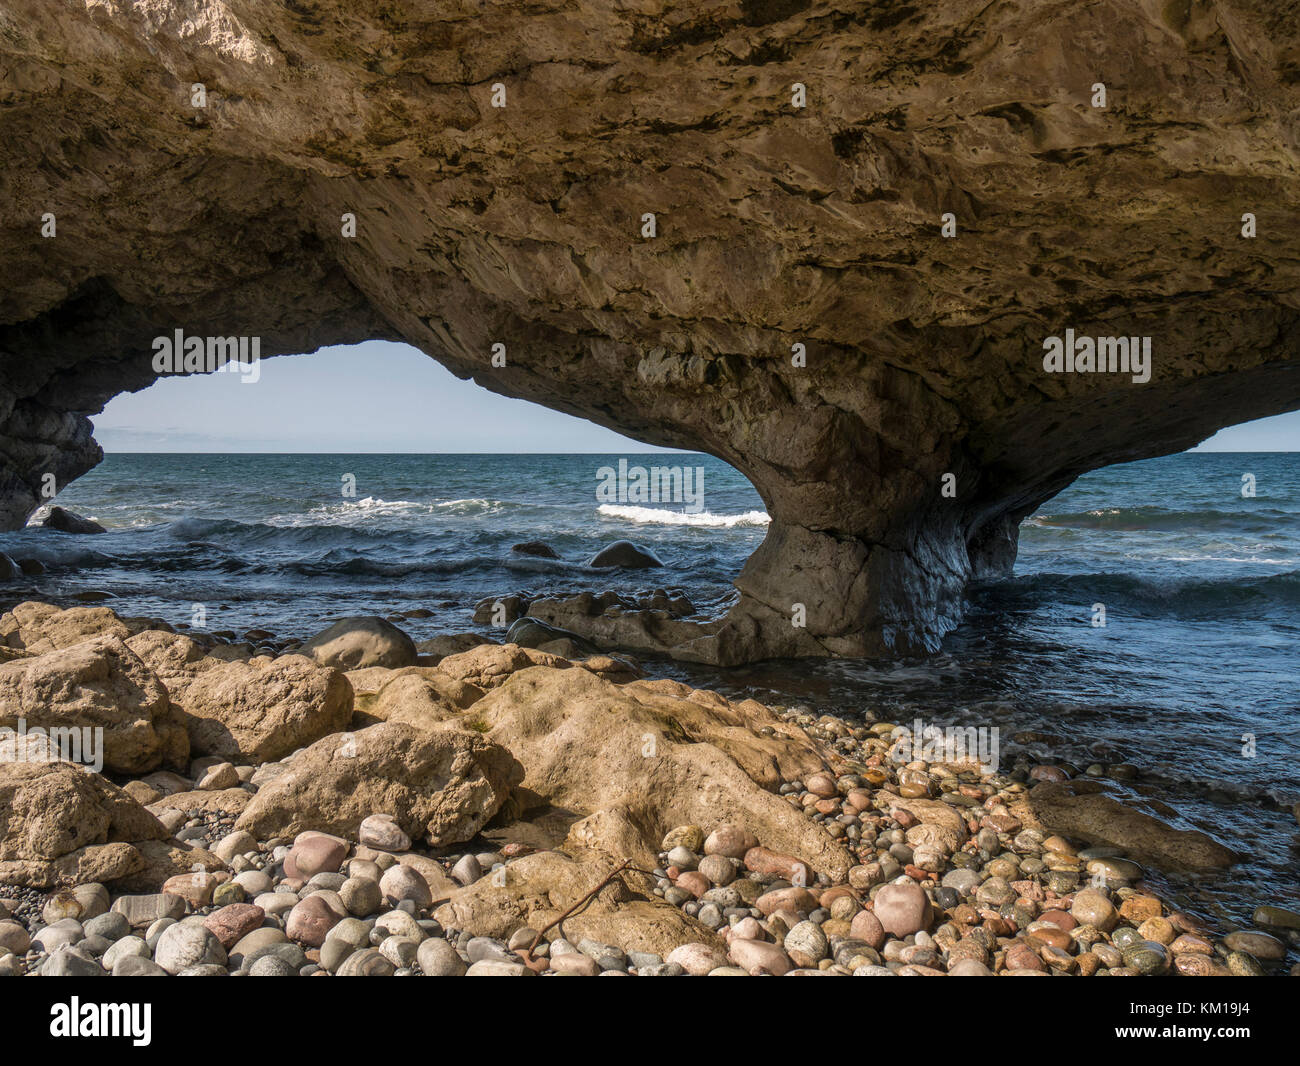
pixel 368 480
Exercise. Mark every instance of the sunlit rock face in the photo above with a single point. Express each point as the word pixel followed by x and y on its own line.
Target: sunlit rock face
pixel 775 225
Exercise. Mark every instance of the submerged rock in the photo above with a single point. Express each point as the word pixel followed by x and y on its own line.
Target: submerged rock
pixel 535 548
pixel 625 554
pixel 1074 809
pixel 67 522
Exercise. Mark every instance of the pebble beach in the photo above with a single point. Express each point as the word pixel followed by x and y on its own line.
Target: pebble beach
pixel 946 875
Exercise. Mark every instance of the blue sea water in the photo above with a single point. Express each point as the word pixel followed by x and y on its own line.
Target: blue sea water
pixel 1193 678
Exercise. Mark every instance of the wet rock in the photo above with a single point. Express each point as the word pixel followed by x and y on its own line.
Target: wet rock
pixel 66 521
pixel 626 555
pixel 357 642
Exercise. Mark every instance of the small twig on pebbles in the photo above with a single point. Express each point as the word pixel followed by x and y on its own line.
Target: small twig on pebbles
pixel 626 864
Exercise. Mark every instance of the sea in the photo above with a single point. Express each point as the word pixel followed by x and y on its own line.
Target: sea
pixel 1191 561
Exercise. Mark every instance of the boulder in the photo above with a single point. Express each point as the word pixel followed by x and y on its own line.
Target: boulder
pixel 353 643
pixel 538 888
pixel 422 695
pixel 67 522
pixel 61 824
pixel 260 711
pixel 440 786
pixel 1081 810
pixel 41 627
pixel 626 555
pixel 489 665
pixel 535 548
pixel 97 684
pixel 630 762
pixel 499 610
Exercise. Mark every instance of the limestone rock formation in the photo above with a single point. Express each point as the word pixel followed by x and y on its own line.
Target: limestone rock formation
pixel 824 243
pixel 98 684
pixel 442 787
pixel 540 888
pixel 1080 809
pixel 253 710
pixel 631 761
pixel 261 711
pixel 61 824
pixel 41 627
pixel 420 696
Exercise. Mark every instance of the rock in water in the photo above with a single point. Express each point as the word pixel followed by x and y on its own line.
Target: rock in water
pixel 535 548
pixel 1071 808
pixel 353 643
pixel 624 554
pixel 67 522
pixel 533 633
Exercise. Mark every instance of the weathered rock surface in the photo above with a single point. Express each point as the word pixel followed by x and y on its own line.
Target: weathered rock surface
pixel 62 825
pixel 1074 809
pixel 40 627
pixel 489 665
pixel 440 786
pixel 420 696
pixel 99 684
pixel 629 762
pixel 355 643
pixel 797 311
pixel 539 888
pixel 263 710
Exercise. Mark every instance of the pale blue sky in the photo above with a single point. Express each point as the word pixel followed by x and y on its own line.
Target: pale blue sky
pixel 384 397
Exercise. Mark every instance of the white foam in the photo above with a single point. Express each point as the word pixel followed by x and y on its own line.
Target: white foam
pixel 660 516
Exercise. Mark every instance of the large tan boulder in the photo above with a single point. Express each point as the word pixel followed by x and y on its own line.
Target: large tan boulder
pixel 488 665
pixel 1081 810
pixel 42 627
pixel 247 710
pixel 422 696
pixel 174 657
pixel 440 786
pixel 261 710
pixel 537 889
pixel 61 824
pixel 354 643
pixel 630 762
pixel 97 684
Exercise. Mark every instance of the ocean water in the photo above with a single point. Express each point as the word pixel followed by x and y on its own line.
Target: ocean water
pixel 1193 677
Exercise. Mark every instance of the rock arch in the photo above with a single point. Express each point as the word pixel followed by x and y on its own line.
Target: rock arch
pixel 777 225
